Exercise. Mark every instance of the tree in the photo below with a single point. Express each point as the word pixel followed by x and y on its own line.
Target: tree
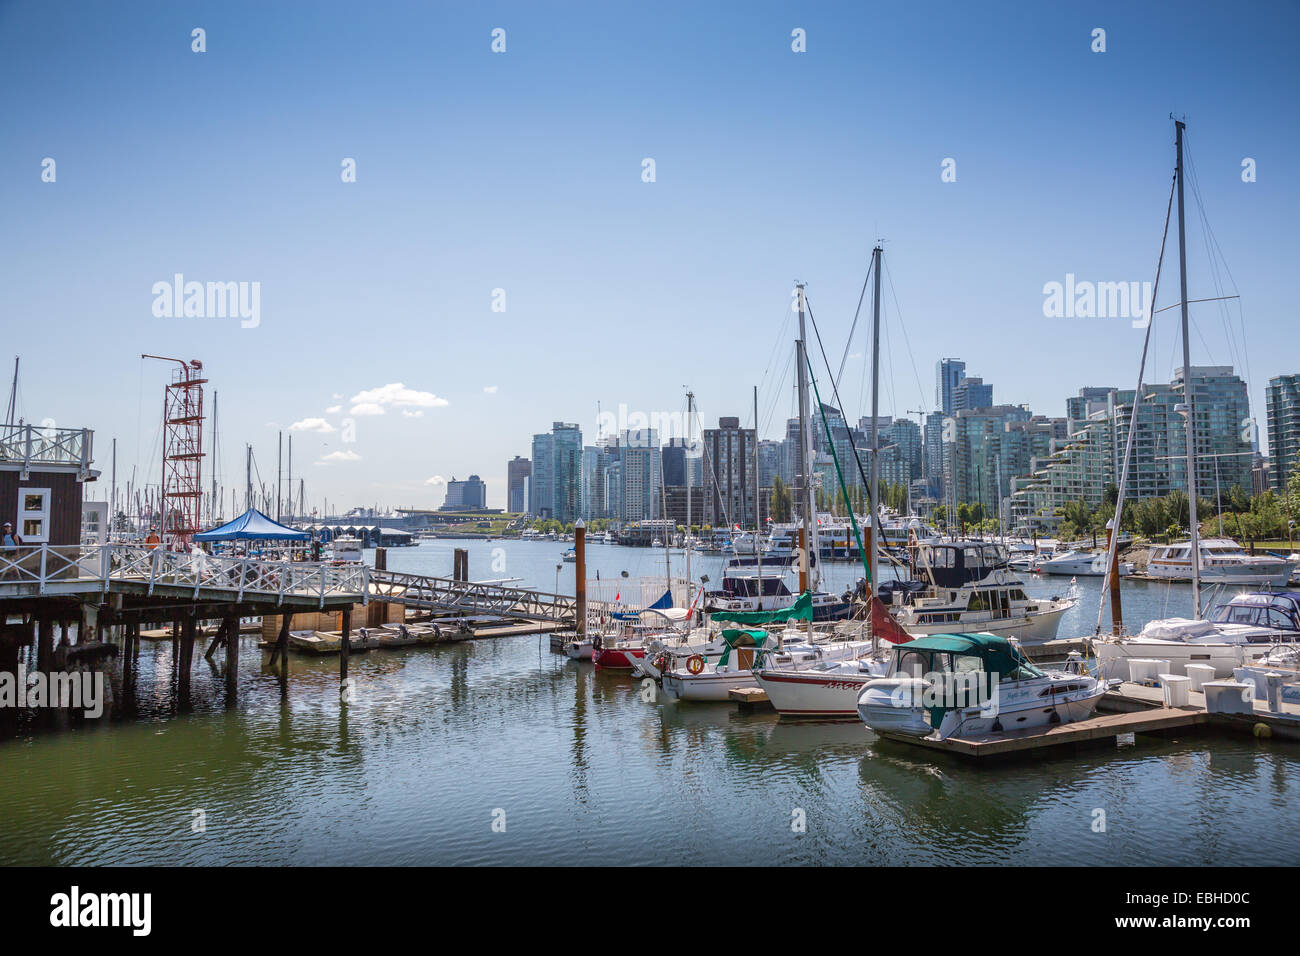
pixel 782 503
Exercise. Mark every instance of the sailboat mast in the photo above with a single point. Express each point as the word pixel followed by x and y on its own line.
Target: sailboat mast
pixel 686 465
pixel 1188 399
pixel 758 521
pixel 878 253
pixel 806 450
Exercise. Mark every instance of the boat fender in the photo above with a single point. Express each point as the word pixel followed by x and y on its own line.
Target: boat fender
pixel 695 664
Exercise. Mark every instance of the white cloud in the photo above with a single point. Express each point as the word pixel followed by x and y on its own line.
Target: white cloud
pixel 312 425
pixel 340 456
pixel 435 480
pixel 407 413
pixel 490 389
pixel 336 395
pixel 399 396
pixel 367 408
pixel 333 409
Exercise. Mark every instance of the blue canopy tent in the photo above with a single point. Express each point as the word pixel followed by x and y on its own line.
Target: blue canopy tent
pixel 252 525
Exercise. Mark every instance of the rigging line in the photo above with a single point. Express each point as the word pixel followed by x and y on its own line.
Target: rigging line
pixel 835 394
pixel 777 392
pixel 907 341
pixel 1112 547
pixel 1208 236
pixel 848 343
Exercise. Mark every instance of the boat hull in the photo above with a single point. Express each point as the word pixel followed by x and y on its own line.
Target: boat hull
pixel 817 696
pixel 617 659
pixel 1034 629
pixel 1113 656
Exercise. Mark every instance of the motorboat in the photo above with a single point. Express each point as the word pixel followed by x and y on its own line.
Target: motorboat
pixel 345 548
pixel 973 686
pixel 1079 564
pixel 748 586
pixel 697 679
pixel 1233 634
pixel 972 588
pixel 571 555
pixel 1222 561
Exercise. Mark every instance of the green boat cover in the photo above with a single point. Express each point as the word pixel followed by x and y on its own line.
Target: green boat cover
pixel 741 638
pixel 800 610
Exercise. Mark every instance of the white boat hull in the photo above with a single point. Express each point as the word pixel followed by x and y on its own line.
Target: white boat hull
pixel 1113 655
pixel 816 695
pixel 707 686
pixel 1033 629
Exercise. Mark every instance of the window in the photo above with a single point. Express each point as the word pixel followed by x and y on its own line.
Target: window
pixel 34 515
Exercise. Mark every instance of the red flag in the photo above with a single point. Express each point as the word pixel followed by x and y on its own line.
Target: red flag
pixel 884 626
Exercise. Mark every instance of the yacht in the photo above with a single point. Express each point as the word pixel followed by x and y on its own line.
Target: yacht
pixel 972 588
pixel 1223 561
pixel 1234 634
pixel 747 587
pixel 1080 564
pixel 698 679
pixel 973 685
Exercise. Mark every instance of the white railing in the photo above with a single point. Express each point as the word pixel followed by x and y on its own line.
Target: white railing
pixel 88 566
pixel 34 445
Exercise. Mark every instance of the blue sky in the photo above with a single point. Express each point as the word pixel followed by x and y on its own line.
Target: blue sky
pixel 522 171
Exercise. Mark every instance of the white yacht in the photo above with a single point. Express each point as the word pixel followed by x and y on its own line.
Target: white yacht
pixel 1223 561
pixel 1234 634
pixel 1079 564
pixel 973 685
pixel 971 588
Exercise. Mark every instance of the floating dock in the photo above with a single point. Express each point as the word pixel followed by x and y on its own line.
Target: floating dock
pixel 1129 709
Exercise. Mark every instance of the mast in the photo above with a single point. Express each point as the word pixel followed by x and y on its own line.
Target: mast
pixel 758 521
pixel 248 477
pixel 878 253
pixel 1188 399
pixel 805 453
pixel 279 472
pixel 686 540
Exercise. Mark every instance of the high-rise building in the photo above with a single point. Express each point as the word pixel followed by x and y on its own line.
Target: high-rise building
pixel 1092 457
pixel 674 459
pixel 542 482
pixel 729 474
pixel 641 460
pixel 592 486
pixel 467 495
pixel 518 471
pixel 971 393
pixel 769 461
pixel 1283 400
pixel 948 375
pixel 557 473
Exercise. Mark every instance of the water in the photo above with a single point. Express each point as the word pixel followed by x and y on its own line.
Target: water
pixel 585 771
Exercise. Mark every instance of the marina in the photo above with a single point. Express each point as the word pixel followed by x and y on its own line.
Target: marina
pixel 591 436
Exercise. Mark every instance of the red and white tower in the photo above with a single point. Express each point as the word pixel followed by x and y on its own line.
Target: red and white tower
pixel 182 453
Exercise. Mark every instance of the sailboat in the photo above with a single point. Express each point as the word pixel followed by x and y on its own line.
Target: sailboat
pixel 1176 640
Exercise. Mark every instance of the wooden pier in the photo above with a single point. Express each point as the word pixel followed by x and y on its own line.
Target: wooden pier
pixel 1129 709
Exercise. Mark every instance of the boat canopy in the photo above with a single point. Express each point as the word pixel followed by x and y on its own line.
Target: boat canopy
pixel 800 610
pixel 999 655
pixel 252 525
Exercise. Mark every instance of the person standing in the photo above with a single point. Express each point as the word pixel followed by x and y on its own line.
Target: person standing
pixel 9 545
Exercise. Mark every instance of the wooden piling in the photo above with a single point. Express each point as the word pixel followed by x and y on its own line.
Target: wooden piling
pixel 45 644
pixel 232 657
pixel 345 646
pixel 580 576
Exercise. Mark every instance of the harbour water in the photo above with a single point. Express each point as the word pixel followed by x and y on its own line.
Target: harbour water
pixel 442 742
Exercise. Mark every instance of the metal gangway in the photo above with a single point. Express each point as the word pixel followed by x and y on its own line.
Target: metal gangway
pixel 470 597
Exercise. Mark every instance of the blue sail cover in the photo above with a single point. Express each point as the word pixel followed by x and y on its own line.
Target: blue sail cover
pixel 252 525
pixel 662 604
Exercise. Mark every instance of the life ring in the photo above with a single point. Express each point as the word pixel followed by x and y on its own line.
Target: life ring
pixel 1002 576
pixel 695 664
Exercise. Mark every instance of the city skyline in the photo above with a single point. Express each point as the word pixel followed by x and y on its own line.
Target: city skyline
pixel 479 172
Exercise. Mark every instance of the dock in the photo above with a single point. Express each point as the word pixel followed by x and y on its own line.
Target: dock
pixel 1129 709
